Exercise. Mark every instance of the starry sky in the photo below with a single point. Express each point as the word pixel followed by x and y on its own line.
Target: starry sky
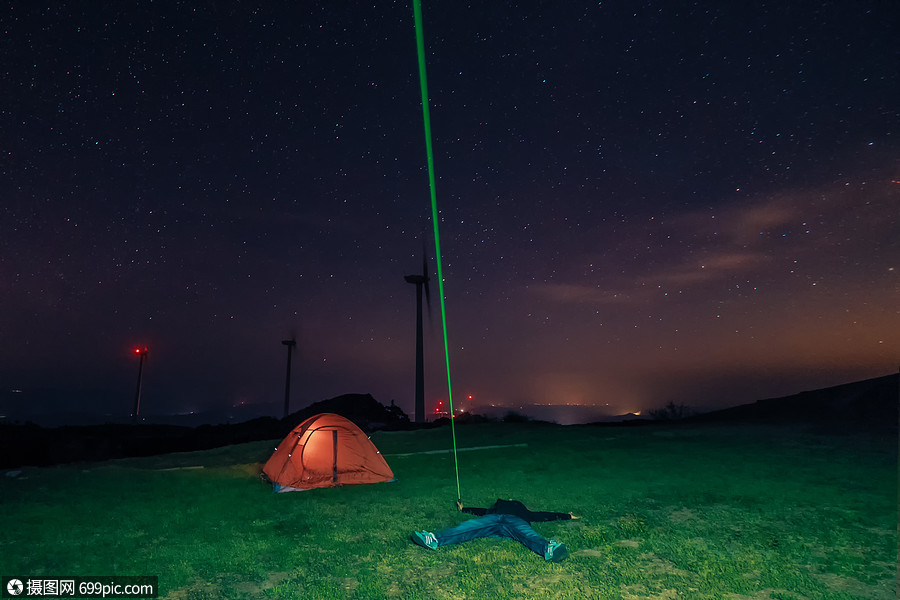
pixel 640 202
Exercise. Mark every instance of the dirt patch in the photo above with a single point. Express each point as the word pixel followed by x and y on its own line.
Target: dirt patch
pixel 682 515
pixel 659 566
pixel 768 594
pixel 254 589
pixel 199 590
pixel 537 582
pixel 857 589
pixel 640 592
pixel 881 532
pixel 755 574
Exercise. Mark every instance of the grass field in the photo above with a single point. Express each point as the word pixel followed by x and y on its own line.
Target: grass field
pixel 734 512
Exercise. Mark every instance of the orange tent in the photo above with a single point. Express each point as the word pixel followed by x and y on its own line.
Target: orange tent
pixel 324 451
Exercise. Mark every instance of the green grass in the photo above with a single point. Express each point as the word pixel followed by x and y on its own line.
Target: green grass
pixel 732 513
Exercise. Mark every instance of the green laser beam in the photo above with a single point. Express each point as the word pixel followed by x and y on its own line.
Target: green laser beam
pixel 426 119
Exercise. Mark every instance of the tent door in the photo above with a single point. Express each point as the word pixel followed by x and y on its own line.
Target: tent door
pixel 334 468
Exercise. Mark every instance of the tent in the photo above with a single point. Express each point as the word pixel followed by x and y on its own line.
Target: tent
pixel 325 450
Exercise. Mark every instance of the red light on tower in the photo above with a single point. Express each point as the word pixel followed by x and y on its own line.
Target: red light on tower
pixel 441 410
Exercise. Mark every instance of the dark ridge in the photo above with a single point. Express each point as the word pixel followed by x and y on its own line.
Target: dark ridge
pixel 869 404
pixel 32 445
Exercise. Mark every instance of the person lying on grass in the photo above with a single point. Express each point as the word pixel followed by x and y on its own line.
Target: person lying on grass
pixel 505 519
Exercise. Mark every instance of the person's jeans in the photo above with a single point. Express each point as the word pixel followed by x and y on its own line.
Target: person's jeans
pixel 494 525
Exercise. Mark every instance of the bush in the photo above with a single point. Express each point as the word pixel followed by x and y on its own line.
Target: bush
pixel 671 412
pixel 514 417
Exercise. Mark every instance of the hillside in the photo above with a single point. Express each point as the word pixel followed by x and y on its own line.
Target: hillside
pixel 868 403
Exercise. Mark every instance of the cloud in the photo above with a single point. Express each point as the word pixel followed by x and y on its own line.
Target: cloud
pixel 747 224
pixel 622 290
pixel 580 293
pixel 702 270
pixel 823 230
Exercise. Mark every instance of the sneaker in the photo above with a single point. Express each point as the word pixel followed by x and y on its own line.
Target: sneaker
pixel 425 539
pixel 556 552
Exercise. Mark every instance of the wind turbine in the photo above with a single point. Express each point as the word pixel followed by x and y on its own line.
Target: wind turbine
pixel 291 344
pixel 142 353
pixel 420 281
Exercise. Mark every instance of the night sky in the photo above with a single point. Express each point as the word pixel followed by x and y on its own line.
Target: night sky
pixel 641 202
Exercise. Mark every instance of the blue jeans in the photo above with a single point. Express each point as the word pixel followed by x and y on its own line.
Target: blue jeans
pixel 494 525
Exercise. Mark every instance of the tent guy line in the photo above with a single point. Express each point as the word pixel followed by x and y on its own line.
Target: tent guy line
pixel 461 450
pixel 191 468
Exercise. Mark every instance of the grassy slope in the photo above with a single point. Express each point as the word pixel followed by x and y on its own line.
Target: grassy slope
pixel 699 512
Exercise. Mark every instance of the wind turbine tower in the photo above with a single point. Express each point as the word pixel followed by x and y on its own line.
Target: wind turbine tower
pixel 291 344
pixel 420 281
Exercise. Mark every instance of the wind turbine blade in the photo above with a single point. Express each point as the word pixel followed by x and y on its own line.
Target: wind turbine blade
pixel 426 278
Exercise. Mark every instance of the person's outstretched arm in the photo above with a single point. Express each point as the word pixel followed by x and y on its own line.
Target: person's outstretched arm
pixel 549 516
pixel 478 512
